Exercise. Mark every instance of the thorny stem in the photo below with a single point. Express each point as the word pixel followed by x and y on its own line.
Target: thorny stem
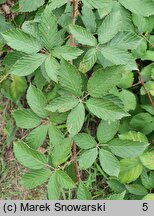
pixel 72 43
pixel 144 86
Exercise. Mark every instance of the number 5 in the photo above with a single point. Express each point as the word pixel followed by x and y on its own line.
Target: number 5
pixel 145 207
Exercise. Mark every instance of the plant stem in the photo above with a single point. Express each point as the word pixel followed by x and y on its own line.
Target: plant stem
pixel 74 16
pixel 72 43
pixel 144 86
pixel 76 163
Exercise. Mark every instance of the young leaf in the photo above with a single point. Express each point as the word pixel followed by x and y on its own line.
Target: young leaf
pixel 83 192
pixel 127 148
pixel 147 160
pixel 85 141
pixel 27 64
pixel 87 159
pixel 48 28
pixel 52 67
pixel 102 81
pixel 63 103
pixel 66 52
pixel 105 109
pixel 130 170
pixel 22 41
pixel 149 196
pixel 37 101
pixel 28 157
pixel 109 163
pixel 82 35
pixel 25 118
pixel 110 27
pixel 37 136
pixel 75 119
pixel 135 136
pixel 29 6
pixel 70 79
pixel 35 178
pixel 107 130
pixel 54 188
pixel 64 180
pixel 88 60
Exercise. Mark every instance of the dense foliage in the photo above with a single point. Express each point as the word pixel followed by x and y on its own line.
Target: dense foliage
pixel 80 77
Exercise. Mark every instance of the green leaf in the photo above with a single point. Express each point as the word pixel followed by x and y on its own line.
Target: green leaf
pixel 63 104
pixel 89 23
pixel 135 136
pixel 147 160
pixel 127 80
pixel 70 79
pixel 96 3
pixel 28 157
pixel 130 170
pixel 28 5
pixel 52 67
pixel 137 189
pixel 107 130
pixel 75 119
pixel 149 196
pixel 119 196
pixel 37 136
pixel 82 35
pixel 126 40
pixel 109 163
pixel 127 148
pixel 27 64
pixel 88 60
pixel 35 178
pixel 64 180
pixel 85 141
pixel 66 52
pixel 143 122
pixel 54 188
pixel 61 152
pixel 22 41
pixel 37 101
pixel 105 109
pixel 117 55
pixel 144 7
pixel 48 28
pixel 83 193
pixel 129 100
pixel 25 118
pixel 110 27
pixel 147 180
pixel 57 3
pixel 18 87
pixel 102 81
pixel 116 186
pixel 55 135
pixel 87 159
